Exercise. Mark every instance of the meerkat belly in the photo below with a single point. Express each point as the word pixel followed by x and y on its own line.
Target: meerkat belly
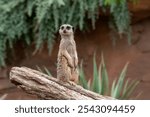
pixel 74 70
pixel 71 51
pixel 63 70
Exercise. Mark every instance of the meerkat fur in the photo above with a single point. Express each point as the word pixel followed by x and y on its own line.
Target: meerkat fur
pixel 67 60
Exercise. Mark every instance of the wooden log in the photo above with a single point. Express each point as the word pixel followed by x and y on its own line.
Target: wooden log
pixel 46 87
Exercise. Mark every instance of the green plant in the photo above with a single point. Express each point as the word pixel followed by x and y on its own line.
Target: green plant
pixel 120 17
pixel 37 21
pixel 122 89
pixel 100 83
pixel 45 70
pixel 82 79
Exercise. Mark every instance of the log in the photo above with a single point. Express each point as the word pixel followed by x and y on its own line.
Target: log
pixel 46 87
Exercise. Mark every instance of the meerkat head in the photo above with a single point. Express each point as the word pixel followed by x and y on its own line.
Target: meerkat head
pixel 66 30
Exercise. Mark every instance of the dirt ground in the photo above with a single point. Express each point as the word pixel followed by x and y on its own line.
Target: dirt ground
pixel 137 54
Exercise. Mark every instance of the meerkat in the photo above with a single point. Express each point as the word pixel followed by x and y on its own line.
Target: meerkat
pixel 67 60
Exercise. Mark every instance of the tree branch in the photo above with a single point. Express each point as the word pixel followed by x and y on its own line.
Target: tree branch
pixel 46 87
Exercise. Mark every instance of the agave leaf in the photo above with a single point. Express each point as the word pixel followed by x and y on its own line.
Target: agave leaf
pixel 130 89
pixel 125 87
pixel 82 79
pixel 138 95
pixel 100 77
pixel 120 82
pixel 105 81
pixel 39 69
pixel 3 97
pixel 96 80
pixel 113 88
pixel 100 82
pixel 47 71
pixel 89 83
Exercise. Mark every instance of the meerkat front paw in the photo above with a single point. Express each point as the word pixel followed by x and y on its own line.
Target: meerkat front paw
pixel 76 62
pixel 70 62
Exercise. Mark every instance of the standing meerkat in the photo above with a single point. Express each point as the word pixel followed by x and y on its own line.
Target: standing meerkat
pixel 67 60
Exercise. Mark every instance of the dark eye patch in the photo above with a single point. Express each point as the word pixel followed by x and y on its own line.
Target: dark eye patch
pixel 68 27
pixel 62 28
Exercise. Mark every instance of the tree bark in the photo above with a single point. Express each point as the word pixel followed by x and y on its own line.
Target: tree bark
pixel 46 87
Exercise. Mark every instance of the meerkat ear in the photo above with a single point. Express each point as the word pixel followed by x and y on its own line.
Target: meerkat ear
pixel 73 29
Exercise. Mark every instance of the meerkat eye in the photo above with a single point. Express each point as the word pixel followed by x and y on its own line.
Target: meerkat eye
pixel 68 27
pixel 62 28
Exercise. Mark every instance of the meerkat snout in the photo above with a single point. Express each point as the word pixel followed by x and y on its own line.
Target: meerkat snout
pixel 66 30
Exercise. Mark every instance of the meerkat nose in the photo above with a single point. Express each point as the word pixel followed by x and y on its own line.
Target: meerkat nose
pixel 64 31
